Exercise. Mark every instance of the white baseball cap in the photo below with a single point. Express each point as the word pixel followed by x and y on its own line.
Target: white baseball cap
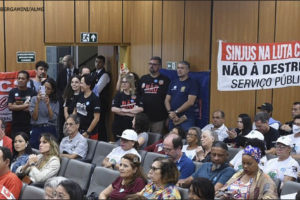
pixel 286 140
pixel 255 134
pixel 130 134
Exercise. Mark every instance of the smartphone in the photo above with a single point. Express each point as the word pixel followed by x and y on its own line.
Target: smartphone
pixel 43 90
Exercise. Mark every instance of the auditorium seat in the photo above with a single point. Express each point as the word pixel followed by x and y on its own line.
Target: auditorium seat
pixel 153 137
pixel 290 187
pixel 232 152
pixel 142 154
pixel 31 192
pixel 102 150
pixel 92 145
pixel 150 156
pixel 80 172
pixel 63 165
pixel 184 193
pixel 101 178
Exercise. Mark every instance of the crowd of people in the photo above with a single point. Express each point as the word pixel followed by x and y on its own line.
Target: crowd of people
pixel 57 117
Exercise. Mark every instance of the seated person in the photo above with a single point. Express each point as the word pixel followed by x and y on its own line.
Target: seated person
pixel 295 137
pixel 203 152
pixel 21 152
pixel 157 147
pixel 287 127
pixel 193 141
pixel 217 171
pixel 172 148
pixel 201 188
pixel 74 145
pixel 69 189
pixel 163 175
pixel 41 167
pixel 128 144
pixel 50 186
pixel 251 182
pixel 268 108
pixel 4 140
pixel 12 184
pixel 284 167
pixel 255 139
pixel 217 125
pixel 130 181
pixel 140 124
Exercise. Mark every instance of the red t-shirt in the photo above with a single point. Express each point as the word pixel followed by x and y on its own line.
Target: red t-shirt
pixel 120 191
pixel 5 193
pixel 12 183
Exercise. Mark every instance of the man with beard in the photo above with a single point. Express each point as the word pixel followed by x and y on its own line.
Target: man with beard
pixel 218 171
pixel 74 145
pixel 153 87
pixel 41 68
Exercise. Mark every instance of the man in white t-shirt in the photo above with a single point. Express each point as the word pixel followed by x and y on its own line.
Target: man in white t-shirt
pixel 284 167
pixel 218 126
pixel 236 162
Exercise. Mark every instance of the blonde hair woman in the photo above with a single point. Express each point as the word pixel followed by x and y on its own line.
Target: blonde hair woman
pixel 41 167
pixel 126 104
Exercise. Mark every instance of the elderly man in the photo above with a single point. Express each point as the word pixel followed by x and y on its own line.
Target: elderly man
pixel 261 121
pixel 74 145
pixel 181 97
pixel 4 140
pixel 217 171
pixel 287 128
pixel 218 126
pixel 12 184
pixel 172 146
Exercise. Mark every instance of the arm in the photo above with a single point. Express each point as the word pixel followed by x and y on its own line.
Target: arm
pixel 50 112
pixel 218 186
pixel 106 163
pixel 70 156
pixel 103 81
pixel 190 102
pixel 15 107
pixel 135 110
pixel 35 113
pixel 167 102
pixel 271 151
pixel 120 111
pixel 94 122
pixel 185 182
pixel 296 156
pixel 106 192
pixel 288 178
pixel 66 114
pixel 141 141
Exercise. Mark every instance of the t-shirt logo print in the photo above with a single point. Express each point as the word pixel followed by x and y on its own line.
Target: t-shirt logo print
pixel 81 109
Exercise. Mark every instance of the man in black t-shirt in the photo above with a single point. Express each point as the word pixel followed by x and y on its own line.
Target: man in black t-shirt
pixel 153 89
pixel 18 102
pixel 271 135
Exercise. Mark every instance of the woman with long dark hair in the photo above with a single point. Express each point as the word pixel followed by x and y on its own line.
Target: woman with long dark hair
pixel 71 95
pixel 44 110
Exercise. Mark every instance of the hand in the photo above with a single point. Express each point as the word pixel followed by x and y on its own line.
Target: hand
pixel 232 134
pixel 85 134
pixel 47 100
pixel 286 127
pixel 172 115
pixel 199 153
pixel 32 159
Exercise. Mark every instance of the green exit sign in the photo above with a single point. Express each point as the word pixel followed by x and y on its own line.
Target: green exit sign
pixel 87 37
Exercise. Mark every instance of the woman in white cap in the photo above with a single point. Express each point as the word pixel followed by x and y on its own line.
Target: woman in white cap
pixel 284 167
pixel 255 139
pixel 128 144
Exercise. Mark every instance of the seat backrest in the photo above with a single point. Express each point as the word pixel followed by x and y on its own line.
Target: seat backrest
pixel 142 154
pixel 184 193
pixel 153 137
pixel 290 187
pixel 232 152
pixel 150 156
pixel 63 165
pixel 102 150
pixel 80 172
pixel 197 165
pixel 101 178
pixel 92 144
pixel 31 192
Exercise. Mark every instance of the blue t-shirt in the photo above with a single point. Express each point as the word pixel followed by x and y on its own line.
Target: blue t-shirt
pixel 185 166
pixel 179 92
pixel 221 175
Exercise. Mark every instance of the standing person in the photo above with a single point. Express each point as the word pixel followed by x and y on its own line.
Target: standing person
pixel 4 140
pixel 153 87
pixel 181 97
pixel 41 68
pixel 88 108
pixel 18 102
pixel 44 110
pixel 125 105
pixel 101 90
pixel 71 95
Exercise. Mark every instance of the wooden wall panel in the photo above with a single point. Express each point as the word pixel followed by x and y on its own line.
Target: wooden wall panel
pixel 82 18
pixel 173 30
pixel 141 37
pixel 106 19
pixel 287 29
pixel 127 19
pixel 157 28
pixel 266 33
pixel 2 50
pixel 24 32
pixel 235 22
pixel 59 22
pixel 197 34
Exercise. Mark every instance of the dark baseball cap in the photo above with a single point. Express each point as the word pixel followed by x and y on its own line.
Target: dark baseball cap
pixel 266 106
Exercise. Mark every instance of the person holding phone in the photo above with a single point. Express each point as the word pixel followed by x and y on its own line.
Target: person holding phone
pixel 44 110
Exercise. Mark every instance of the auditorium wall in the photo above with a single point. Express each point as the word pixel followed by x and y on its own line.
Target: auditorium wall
pixel 175 30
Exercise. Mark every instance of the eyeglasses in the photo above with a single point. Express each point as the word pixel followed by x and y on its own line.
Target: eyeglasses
pixel 153 64
pixel 124 81
pixel 69 124
pixel 154 168
pixel 216 117
pixel 280 146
